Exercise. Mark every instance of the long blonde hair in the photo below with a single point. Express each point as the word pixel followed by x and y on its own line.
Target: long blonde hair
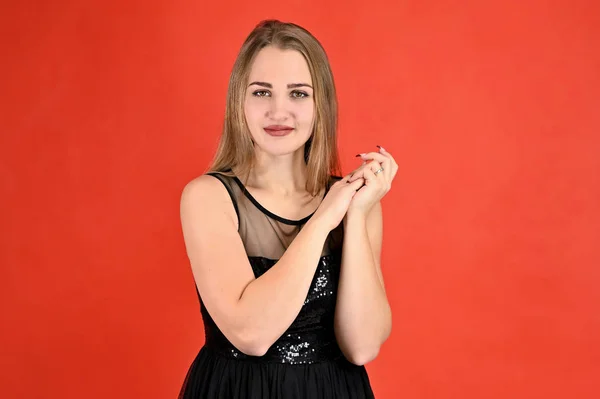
pixel 236 148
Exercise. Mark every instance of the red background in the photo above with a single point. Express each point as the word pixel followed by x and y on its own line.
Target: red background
pixel 491 248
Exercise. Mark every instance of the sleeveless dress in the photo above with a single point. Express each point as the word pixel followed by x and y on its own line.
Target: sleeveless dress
pixel 306 361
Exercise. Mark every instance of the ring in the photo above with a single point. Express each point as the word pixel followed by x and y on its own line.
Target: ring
pixel 378 171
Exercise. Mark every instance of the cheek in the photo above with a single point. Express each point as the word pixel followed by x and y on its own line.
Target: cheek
pixel 253 110
pixel 306 112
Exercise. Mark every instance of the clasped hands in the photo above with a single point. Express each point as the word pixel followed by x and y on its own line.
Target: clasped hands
pixel 378 171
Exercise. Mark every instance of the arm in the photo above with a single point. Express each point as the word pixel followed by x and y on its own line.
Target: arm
pixel 251 313
pixel 363 318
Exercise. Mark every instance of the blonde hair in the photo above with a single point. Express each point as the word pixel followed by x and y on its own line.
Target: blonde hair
pixel 236 148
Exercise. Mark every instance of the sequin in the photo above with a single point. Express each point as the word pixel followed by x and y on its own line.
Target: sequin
pixel 311 337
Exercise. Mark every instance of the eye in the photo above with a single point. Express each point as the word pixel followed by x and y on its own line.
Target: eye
pixel 261 93
pixel 298 94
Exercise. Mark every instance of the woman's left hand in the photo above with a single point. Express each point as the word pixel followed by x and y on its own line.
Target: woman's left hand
pixel 378 170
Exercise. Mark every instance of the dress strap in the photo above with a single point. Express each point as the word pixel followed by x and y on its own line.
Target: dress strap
pixel 222 179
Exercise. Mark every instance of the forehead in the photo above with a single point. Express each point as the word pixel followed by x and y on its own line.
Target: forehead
pixel 274 65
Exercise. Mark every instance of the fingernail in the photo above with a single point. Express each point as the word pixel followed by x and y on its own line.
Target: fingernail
pixel 381 148
pixel 360 155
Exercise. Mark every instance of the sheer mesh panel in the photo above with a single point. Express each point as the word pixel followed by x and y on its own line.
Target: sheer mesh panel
pixel 263 233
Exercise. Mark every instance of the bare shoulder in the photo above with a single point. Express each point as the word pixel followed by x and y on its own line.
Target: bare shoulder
pixel 204 186
pixel 205 195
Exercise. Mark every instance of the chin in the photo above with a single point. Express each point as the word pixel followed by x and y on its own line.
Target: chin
pixel 283 146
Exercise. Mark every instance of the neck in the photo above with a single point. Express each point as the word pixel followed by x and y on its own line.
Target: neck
pixel 283 174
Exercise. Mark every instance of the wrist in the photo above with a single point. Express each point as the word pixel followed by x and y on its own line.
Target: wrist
pixel 317 226
pixel 355 216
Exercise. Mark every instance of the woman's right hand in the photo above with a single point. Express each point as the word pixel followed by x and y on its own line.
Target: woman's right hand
pixel 333 208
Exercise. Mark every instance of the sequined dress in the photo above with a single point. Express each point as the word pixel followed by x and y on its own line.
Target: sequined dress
pixel 306 361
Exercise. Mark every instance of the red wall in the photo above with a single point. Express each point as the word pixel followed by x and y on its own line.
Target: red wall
pixel 491 249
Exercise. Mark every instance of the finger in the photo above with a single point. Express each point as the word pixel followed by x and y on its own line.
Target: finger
pixel 355 170
pixel 374 166
pixel 357 173
pixel 355 185
pixel 369 177
pixel 374 155
pixel 387 154
pixel 383 151
pixel 384 170
pixel 385 161
pixel 382 159
pixel 345 179
pixel 376 179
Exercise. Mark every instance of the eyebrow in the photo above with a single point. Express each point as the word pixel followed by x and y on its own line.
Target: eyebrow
pixel 289 86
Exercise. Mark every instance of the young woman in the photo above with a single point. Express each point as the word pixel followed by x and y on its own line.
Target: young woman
pixel 285 255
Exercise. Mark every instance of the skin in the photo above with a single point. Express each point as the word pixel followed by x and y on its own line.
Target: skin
pixel 250 311
pixel 363 318
pixel 280 172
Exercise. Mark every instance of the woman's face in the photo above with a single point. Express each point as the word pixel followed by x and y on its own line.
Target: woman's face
pixel 279 102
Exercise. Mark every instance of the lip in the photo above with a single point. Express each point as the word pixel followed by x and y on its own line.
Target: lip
pixel 278 130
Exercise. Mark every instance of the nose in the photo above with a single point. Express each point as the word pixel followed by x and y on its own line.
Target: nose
pixel 278 108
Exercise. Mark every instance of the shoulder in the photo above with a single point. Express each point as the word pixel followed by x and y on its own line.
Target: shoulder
pixel 207 196
pixel 202 187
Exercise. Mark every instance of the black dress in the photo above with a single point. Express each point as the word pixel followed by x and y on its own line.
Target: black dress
pixel 306 361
